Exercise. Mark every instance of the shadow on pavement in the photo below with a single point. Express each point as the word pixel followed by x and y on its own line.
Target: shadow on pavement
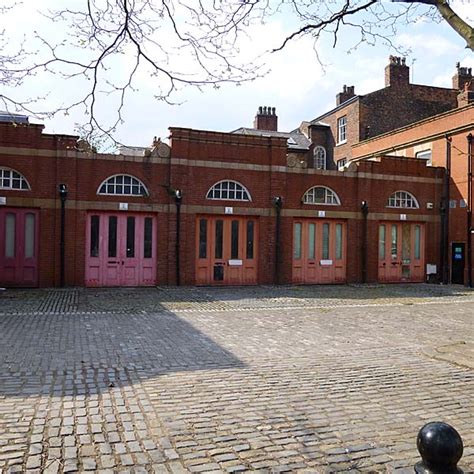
pixel 73 354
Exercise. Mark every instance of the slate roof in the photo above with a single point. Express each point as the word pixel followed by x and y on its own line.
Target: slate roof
pixel 295 139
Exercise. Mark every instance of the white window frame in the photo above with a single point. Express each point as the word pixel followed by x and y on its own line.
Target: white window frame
pixel 224 189
pixel 330 197
pixel 342 130
pixel 319 157
pixel 341 163
pixel 112 182
pixel 402 200
pixel 423 155
pixel 13 178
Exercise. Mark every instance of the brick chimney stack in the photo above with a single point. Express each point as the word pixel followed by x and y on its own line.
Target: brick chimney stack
pixel 466 96
pixel 346 94
pixel 397 73
pixel 266 119
pixel 463 75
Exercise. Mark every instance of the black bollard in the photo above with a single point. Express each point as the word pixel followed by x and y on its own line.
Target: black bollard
pixel 440 448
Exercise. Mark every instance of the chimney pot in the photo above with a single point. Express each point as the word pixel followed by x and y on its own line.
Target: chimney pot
pixel 397 73
pixel 266 119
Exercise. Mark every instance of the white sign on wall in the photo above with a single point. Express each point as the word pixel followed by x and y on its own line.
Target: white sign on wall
pixel 430 269
pixel 3 200
pixel 403 217
pixel 228 210
pixel 321 213
pixel 123 206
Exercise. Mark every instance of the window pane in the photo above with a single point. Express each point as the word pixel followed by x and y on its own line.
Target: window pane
pixel 406 242
pixel 10 235
pixel 382 242
pixel 311 238
pixel 394 246
pixel 130 237
pixel 417 242
pixel 234 243
pixel 148 238
pixel 203 238
pixel 29 235
pixel 297 241
pixel 338 241
pixel 112 252
pixel 325 241
pixel 250 239
pixel 94 250
pixel 219 232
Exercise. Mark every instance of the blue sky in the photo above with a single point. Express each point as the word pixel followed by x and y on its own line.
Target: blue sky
pixel 297 85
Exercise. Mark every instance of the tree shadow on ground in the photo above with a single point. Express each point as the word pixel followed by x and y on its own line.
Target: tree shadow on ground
pixel 80 353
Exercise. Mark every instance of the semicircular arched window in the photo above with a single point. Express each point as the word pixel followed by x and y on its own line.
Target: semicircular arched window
pixel 123 185
pixel 321 195
pixel 228 191
pixel 11 179
pixel 403 200
pixel 319 155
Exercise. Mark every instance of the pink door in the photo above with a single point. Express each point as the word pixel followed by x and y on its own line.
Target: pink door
pixel 319 254
pixel 120 250
pixel 18 247
pixel 401 252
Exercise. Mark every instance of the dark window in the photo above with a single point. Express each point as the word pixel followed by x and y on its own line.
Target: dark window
pixel 148 238
pixel 234 245
pixel 130 237
pixel 203 238
pixel 219 232
pixel 218 272
pixel 250 239
pixel 112 236
pixel 94 236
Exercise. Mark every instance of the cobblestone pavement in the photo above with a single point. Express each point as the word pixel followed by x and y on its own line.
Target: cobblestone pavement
pixel 311 379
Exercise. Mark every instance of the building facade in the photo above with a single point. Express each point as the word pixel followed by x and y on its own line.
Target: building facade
pixel 254 206
pixel 211 208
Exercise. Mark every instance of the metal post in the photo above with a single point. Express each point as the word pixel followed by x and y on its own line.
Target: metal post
pixel 440 447
pixel 278 203
pixel 447 194
pixel 62 189
pixel 469 210
pixel 365 212
pixel 177 199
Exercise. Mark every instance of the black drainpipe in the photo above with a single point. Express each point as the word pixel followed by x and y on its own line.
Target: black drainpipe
pixel 447 194
pixel 365 212
pixel 62 189
pixel 178 197
pixel 469 210
pixel 278 203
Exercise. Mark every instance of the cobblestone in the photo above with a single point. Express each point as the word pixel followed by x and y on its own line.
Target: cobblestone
pixel 263 379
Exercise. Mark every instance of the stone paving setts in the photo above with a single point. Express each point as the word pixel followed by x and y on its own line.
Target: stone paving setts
pixel 262 379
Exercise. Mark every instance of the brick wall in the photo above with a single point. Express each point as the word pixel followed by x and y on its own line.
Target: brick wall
pixel 198 160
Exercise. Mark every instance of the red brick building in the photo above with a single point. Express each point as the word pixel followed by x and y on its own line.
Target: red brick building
pixel 222 191
pixel 248 207
pixel 444 140
pixel 359 117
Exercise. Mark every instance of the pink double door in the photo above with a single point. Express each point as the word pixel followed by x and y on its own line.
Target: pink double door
pixel 401 252
pixel 18 247
pixel 120 250
pixel 319 251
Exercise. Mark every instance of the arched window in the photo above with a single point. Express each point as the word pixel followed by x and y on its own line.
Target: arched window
pixel 319 155
pixel 11 179
pixel 321 195
pixel 403 199
pixel 228 191
pixel 123 185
